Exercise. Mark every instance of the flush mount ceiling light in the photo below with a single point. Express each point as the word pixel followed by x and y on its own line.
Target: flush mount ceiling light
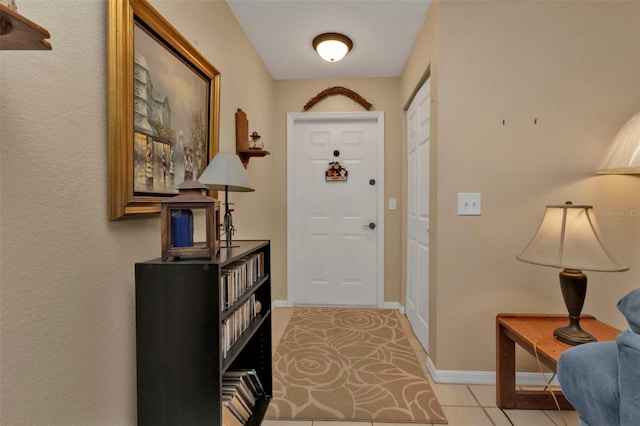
pixel 332 46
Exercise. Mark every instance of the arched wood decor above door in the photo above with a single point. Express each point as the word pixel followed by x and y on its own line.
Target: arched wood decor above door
pixel 338 90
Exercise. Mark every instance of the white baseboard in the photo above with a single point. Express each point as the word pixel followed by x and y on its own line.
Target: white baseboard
pixel 385 305
pixel 485 377
pixel 393 305
pixel 281 304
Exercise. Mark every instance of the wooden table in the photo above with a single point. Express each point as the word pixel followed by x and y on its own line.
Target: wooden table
pixel 529 331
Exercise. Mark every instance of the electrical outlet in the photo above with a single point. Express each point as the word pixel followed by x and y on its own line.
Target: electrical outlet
pixel 469 204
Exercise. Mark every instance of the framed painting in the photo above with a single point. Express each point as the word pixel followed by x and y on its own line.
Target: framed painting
pixel 164 101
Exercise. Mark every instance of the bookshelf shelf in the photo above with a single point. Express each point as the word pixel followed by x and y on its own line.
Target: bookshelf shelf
pixel 183 355
pixel 244 297
pixel 236 349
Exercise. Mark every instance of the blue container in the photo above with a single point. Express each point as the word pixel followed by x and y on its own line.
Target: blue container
pixel 181 228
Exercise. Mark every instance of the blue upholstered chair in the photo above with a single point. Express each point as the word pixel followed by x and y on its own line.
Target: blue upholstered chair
pixel 602 380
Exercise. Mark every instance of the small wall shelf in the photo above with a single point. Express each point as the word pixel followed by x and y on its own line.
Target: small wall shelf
pixel 242 140
pixel 19 33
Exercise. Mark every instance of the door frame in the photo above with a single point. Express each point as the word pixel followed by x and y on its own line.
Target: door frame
pixel 334 117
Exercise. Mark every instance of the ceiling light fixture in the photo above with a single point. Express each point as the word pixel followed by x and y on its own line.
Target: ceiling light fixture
pixel 332 46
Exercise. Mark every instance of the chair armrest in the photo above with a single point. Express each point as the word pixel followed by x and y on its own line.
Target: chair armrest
pixel 588 375
pixel 629 377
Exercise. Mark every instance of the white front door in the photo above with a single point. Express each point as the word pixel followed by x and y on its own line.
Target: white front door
pixel 335 226
pixel 418 152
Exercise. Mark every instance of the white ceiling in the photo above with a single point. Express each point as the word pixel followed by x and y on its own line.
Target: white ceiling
pixel 383 33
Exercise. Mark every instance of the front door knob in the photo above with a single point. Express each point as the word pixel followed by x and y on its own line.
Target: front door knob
pixel 370 226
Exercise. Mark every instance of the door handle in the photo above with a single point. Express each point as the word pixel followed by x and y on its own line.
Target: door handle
pixel 369 226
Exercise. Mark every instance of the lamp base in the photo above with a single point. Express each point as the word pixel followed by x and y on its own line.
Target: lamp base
pixel 573 335
pixel 227 225
pixel 228 246
pixel 573 284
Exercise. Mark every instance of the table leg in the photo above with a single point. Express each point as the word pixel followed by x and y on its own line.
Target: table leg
pixel 505 369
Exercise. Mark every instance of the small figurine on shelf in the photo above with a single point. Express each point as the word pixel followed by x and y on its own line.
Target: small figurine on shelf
pixel 255 142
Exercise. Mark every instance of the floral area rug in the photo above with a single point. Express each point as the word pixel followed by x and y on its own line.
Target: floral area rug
pixel 350 364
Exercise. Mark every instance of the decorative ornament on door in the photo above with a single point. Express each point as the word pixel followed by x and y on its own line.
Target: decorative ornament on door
pixel 336 172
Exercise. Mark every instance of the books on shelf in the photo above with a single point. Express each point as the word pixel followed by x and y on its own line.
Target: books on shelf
pixel 236 323
pixel 240 276
pixel 241 389
pixel 228 417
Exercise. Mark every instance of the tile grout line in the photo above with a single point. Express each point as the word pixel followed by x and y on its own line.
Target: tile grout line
pixel 484 410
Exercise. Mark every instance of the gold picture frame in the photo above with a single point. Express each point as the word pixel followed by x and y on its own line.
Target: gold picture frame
pixel 159 134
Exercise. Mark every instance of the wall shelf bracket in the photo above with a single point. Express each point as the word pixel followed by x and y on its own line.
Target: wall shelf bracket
pixel 19 33
pixel 242 140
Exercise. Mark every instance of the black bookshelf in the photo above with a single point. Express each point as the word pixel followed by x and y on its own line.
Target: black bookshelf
pixel 179 335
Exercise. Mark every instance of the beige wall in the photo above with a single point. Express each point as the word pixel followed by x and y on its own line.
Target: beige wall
pixel 291 96
pixel 67 302
pixel 67 290
pixel 245 84
pixel 573 67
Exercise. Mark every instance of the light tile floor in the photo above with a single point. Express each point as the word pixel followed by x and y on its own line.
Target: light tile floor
pixel 464 405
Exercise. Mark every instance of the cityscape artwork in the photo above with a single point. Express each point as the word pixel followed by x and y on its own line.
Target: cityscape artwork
pixel 170 123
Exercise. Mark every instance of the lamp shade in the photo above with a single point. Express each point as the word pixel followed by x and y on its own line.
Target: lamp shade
pixel 568 237
pixel 623 156
pixel 332 46
pixel 225 172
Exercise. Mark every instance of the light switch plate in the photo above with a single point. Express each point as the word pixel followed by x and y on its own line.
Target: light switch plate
pixel 392 204
pixel 469 204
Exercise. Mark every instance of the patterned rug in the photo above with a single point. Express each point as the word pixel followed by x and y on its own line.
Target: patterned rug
pixel 350 364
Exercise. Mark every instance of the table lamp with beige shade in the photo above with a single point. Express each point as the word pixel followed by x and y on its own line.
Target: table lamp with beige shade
pixel 568 237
